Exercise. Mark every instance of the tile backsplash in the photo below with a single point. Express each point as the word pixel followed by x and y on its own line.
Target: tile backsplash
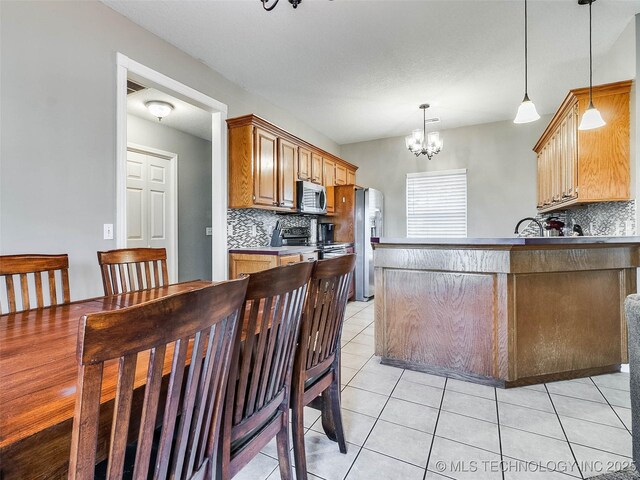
pixel 242 221
pixel 606 219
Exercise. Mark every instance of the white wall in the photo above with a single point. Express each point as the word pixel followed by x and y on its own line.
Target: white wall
pixel 194 191
pixel 501 173
pixel 58 111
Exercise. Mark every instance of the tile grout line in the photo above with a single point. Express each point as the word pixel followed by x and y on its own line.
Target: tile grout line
pixel 355 459
pixel 435 428
pixel 575 459
pixel 495 393
pixel 609 403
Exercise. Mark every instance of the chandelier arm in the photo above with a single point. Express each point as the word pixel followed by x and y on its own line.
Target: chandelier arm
pixel 268 9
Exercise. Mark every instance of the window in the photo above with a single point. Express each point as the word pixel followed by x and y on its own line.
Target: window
pixel 437 204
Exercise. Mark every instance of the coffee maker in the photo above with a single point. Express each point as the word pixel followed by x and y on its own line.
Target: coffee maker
pixel 325 233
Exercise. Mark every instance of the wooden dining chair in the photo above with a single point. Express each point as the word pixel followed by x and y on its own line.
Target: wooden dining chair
pixel 258 393
pixel 187 336
pixel 25 267
pixel 316 368
pixel 133 269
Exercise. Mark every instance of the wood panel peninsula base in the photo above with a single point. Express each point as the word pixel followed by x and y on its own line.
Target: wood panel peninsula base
pixel 504 311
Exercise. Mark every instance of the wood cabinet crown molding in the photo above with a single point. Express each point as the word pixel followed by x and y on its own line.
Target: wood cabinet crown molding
pixel 577 167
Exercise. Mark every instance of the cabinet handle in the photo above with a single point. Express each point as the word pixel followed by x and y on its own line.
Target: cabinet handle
pixel 254 198
pixel 282 204
pixel 275 203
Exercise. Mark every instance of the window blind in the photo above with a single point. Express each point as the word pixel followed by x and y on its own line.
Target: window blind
pixel 437 204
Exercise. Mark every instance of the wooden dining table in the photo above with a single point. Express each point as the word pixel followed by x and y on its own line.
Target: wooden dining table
pixel 38 373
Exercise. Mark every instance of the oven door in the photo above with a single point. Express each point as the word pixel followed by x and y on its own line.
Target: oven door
pixel 336 252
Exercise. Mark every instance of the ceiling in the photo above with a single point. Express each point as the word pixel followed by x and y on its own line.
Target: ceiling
pixel 357 70
pixel 184 117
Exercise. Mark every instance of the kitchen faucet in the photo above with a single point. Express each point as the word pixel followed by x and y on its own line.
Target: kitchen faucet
pixel 532 220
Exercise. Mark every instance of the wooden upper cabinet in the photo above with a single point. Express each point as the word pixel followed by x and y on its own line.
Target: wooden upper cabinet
pixel 341 174
pixel 316 169
pixel 265 162
pixel 584 166
pixel 329 174
pixel 304 164
pixel 351 177
pixel 265 180
pixel 287 162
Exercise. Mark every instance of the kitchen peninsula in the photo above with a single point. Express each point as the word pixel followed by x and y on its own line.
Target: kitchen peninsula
pixel 504 311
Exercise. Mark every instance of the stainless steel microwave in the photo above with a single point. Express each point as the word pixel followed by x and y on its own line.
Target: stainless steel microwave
pixel 311 198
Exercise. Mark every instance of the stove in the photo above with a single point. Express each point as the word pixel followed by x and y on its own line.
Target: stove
pixel 301 236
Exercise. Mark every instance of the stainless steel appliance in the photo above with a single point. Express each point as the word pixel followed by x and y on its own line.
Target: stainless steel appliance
pixel 311 198
pixel 295 236
pixel 330 250
pixel 369 223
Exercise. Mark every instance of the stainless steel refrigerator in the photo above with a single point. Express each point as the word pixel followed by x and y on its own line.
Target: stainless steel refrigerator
pixel 369 223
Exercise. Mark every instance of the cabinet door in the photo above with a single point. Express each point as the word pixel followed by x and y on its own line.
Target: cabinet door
pixel 316 168
pixel 573 152
pixel 304 164
pixel 351 177
pixel 329 175
pixel 540 180
pixel 265 180
pixel 287 259
pixel 287 160
pixel 341 174
pixel 247 263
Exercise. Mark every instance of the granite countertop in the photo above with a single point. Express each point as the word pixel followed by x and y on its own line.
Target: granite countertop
pixel 506 241
pixel 284 250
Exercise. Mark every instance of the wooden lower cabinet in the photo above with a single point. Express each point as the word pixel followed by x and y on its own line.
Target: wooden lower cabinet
pixel 248 263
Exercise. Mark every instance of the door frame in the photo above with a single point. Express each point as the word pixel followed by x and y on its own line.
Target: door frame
pixel 127 68
pixel 173 205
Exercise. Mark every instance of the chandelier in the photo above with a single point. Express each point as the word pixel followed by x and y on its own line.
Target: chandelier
pixel 422 143
pixel 268 8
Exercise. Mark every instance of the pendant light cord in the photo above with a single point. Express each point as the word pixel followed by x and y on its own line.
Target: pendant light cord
pixel 526 41
pixel 590 59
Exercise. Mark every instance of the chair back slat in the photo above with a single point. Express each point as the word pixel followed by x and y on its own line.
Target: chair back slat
pixel 191 333
pixel 149 411
pixel 122 413
pixel 28 270
pixel 132 269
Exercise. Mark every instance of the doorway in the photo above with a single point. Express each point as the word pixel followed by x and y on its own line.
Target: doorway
pixel 128 69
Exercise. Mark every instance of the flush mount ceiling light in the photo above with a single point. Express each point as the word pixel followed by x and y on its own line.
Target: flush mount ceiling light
pixel 422 143
pixel 527 110
pixel 591 118
pixel 159 109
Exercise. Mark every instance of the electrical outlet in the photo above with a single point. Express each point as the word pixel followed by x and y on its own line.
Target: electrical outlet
pixel 208 231
pixel 230 230
pixel 108 231
pixel 254 231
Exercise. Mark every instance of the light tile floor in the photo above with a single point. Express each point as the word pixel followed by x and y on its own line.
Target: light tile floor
pixel 404 425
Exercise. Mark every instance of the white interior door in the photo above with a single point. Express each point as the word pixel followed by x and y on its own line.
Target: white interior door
pixel 150 205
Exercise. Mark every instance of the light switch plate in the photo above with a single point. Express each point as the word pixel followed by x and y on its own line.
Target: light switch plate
pixel 108 231
pixel 208 231
pixel 230 230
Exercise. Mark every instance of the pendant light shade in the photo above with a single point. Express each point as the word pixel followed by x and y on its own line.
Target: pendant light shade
pixel 527 110
pixel 591 118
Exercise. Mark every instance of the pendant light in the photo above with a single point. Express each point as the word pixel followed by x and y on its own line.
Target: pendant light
pixel 527 110
pixel 591 118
